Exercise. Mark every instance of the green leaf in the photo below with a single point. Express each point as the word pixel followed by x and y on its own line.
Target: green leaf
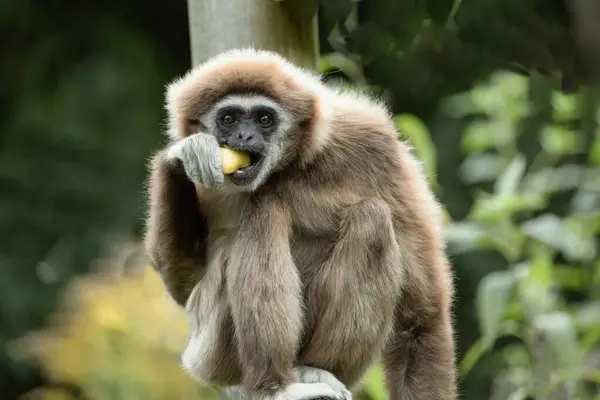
pixel 490 208
pixel 513 90
pixel 595 151
pixel 492 299
pixel 483 345
pixel 547 228
pixel 506 238
pixel 587 321
pixel 536 294
pixel 540 271
pixel 571 236
pixel 564 106
pixel 580 243
pixel 475 352
pixel 459 105
pixel 570 277
pixel 374 386
pixel 508 182
pixel 591 179
pixel 480 136
pixel 551 180
pixel 519 394
pixel 417 133
pixel 558 329
pixel 338 62
pixel 504 96
pixel 502 236
pixel 464 236
pixel 585 201
pixel 587 314
pixel 481 167
pixel 560 141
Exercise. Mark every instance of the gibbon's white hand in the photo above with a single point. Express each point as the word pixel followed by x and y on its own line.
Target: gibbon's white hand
pixel 200 157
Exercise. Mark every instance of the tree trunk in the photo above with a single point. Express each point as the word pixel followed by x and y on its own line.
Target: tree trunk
pixel 218 25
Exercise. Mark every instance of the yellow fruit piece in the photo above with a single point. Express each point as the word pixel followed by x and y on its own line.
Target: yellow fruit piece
pixel 232 160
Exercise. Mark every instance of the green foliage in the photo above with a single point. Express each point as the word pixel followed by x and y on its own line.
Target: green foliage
pixel 425 50
pixel 547 253
pixel 81 111
pixel 415 131
pixel 374 386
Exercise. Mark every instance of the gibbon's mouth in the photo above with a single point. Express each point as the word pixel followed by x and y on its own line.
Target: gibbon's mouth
pixel 246 175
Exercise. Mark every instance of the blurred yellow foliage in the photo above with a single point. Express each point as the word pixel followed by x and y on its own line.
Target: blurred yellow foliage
pixel 119 338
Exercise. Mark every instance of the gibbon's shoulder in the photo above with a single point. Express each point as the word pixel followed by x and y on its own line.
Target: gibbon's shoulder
pixel 359 113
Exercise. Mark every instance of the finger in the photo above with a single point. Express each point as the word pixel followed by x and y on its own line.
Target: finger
pixel 174 152
pixel 208 154
pixel 205 143
pixel 193 165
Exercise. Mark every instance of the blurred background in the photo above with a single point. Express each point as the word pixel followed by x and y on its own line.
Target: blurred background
pixel 498 97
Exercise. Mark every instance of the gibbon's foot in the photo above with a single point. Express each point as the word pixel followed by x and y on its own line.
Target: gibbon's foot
pixel 297 391
pixel 322 398
pixel 306 374
pixel 313 391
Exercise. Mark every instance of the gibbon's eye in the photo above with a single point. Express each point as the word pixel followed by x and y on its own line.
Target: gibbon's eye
pixel 194 121
pixel 227 119
pixel 265 120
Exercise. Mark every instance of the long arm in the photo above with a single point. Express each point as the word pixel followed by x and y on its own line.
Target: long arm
pixel 265 295
pixel 420 359
pixel 176 231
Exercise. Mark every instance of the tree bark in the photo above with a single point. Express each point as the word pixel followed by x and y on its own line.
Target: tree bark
pixel 219 25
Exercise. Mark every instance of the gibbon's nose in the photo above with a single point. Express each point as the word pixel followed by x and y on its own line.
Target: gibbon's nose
pixel 242 139
pixel 245 136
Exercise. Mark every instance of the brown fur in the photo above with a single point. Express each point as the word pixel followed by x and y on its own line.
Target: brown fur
pixel 334 261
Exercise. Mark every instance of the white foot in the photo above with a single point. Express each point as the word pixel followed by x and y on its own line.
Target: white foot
pixel 312 384
pixel 311 391
pixel 316 375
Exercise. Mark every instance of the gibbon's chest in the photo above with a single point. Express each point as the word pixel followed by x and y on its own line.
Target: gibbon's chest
pixel 314 230
pixel 224 215
pixel 314 226
pixel 310 251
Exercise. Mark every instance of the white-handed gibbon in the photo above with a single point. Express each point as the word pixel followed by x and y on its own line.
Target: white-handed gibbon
pixel 322 256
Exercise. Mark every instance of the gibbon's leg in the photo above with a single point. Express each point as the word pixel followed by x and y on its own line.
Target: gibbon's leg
pixel 307 374
pixel 419 360
pixel 351 298
pixel 176 233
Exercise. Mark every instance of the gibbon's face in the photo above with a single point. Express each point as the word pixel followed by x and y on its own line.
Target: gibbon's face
pixel 253 124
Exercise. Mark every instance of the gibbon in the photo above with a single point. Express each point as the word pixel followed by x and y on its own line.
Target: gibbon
pixel 322 256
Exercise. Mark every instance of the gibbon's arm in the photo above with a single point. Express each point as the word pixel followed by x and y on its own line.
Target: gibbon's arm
pixel 176 231
pixel 264 288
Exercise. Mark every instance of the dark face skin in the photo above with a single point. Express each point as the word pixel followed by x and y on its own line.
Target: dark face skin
pixel 248 131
